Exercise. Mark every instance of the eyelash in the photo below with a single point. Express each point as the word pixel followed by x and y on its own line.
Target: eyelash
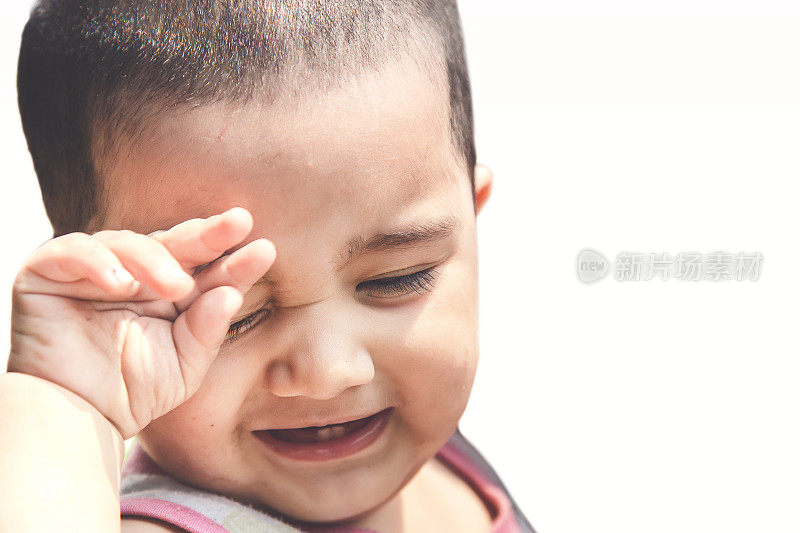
pixel 244 325
pixel 420 281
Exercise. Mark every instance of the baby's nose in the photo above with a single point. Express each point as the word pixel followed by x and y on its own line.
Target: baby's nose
pixel 323 363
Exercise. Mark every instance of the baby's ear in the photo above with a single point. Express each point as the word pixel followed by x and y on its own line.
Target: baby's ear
pixel 483 186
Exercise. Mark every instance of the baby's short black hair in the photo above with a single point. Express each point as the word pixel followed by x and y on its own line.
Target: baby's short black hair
pixel 90 71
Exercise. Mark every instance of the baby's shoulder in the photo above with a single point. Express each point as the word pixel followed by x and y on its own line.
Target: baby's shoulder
pixel 148 525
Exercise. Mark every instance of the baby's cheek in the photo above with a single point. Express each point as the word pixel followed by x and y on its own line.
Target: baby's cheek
pixel 198 436
pixel 437 375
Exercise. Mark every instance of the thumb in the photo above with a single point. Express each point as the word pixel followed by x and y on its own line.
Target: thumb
pixel 199 331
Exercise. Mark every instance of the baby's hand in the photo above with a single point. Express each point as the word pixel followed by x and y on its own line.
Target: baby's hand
pixel 127 321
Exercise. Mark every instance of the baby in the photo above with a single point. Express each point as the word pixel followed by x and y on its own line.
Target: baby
pixel 264 267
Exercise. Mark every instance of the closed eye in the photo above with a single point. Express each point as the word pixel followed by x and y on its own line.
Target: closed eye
pixel 389 287
pixel 392 287
pixel 244 325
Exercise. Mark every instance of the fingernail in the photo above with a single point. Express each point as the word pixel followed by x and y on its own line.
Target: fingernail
pixel 122 275
pixel 176 273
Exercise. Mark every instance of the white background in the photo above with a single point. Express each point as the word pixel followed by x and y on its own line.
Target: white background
pixel 647 126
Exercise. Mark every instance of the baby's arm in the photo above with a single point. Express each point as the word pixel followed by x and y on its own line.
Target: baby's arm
pixel 94 359
pixel 60 460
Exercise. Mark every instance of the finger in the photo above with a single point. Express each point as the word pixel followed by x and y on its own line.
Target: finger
pixel 72 258
pixel 202 240
pixel 199 331
pixel 83 290
pixel 240 270
pixel 149 261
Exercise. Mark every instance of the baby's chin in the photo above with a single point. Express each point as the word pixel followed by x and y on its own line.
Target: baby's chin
pixel 331 512
pixel 353 504
pixel 347 507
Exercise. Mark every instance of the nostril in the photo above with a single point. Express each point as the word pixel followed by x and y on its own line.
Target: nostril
pixel 279 380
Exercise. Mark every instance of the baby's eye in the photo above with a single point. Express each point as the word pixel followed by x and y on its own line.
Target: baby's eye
pixel 244 325
pixel 396 286
pixel 391 287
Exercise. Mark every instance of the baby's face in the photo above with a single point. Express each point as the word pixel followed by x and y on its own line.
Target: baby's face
pixel 336 344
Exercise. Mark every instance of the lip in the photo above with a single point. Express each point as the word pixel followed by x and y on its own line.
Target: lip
pixel 332 449
pixel 308 422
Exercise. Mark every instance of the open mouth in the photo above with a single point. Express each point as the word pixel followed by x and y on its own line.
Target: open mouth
pixel 326 442
pixel 320 433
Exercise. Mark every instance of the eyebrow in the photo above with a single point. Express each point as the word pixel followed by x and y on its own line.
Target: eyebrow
pixel 416 233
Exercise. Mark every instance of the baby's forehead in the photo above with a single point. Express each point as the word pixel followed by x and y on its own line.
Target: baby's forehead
pixel 395 107
pixel 383 139
pixel 398 97
pixel 318 210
